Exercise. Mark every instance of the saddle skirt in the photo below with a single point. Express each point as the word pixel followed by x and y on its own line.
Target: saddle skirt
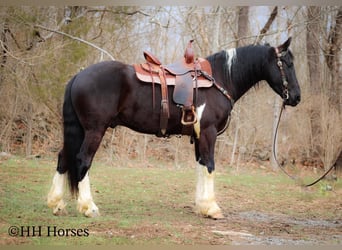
pixel 148 72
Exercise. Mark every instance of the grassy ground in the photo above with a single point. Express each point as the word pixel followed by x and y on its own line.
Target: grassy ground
pixel 154 206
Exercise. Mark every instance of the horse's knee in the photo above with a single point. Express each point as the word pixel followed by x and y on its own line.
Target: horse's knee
pixel 208 163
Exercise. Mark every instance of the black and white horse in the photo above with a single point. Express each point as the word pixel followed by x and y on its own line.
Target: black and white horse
pixel 108 94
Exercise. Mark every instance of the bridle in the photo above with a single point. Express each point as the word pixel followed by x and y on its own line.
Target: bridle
pixel 283 75
pixel 285 96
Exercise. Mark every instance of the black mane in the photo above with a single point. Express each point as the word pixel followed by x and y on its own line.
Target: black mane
pixel 246 68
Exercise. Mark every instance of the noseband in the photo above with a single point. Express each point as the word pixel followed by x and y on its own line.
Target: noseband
pixel 282 72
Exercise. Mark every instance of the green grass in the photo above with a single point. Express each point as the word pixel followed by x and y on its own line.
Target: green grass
pixel 149 205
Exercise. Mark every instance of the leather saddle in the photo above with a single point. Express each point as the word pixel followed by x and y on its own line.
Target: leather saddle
pixel 184 75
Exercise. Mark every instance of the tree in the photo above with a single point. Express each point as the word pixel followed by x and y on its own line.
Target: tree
pixel 313 47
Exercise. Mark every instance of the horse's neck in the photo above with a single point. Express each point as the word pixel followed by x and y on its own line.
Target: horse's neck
pixel 246 70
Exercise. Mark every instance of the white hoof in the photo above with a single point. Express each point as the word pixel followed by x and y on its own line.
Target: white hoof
pixel 209 209
pixel 58 207
pixel 89 209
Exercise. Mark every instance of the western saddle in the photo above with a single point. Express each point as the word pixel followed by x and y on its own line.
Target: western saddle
pixel 185 75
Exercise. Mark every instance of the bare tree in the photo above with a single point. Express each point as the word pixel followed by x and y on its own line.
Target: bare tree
pixel 313 47
pixel 243 25
pixel 333 57
pixel 242 31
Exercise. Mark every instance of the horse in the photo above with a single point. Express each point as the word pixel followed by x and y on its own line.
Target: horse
pixel 109 94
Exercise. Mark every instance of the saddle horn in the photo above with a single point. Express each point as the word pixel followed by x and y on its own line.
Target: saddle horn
pixel 189 54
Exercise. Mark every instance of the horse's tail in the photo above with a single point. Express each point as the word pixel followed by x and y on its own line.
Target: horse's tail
pixel 73 139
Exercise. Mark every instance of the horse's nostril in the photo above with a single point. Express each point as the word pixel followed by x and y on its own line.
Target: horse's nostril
pixel 297 98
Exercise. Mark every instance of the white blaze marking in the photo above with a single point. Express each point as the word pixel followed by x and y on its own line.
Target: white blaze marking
pixel 231 58
pixel 197 125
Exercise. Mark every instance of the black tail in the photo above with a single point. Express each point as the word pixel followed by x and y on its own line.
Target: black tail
pixel 73 138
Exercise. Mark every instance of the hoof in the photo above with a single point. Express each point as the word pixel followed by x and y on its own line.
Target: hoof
pixel 58 208
pixel 60 212
pixel 90 210
pixel 209 210
pixel 216 216
pixel 92 213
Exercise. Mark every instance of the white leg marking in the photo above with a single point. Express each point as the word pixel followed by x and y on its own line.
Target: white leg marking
pixel 197 125
pixel 231 58
pixel 55 196
pixel 85 202
pixel 205 196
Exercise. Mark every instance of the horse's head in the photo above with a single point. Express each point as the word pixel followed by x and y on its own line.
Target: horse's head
pixel 282 75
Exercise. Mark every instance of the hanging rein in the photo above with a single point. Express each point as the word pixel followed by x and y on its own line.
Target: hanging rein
pixel 285 97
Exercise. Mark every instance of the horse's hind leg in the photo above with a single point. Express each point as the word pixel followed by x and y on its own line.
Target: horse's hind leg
pixel 55 196
pixel 85 203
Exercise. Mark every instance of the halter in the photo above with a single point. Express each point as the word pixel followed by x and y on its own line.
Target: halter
pixel 282 72
pixel 286 97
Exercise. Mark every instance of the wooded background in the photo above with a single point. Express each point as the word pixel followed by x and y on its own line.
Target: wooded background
pixel 41 48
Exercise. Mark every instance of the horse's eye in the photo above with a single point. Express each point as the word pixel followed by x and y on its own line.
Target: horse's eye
pixel 288 63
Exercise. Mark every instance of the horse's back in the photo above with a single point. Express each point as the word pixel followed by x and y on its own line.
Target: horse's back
pixel 96 91
pixel 103 73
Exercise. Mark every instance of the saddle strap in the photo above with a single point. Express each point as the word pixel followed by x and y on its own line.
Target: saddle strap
pixel 153 86
pixel 164 112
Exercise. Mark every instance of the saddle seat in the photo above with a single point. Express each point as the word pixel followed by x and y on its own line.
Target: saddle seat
pixel 184 75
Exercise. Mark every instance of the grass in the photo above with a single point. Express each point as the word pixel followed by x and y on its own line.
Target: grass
pixel 153 205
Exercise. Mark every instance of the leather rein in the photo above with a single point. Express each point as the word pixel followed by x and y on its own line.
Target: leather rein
pixel 285 97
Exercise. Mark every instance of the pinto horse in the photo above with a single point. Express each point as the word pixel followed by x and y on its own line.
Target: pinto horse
pixel 108 94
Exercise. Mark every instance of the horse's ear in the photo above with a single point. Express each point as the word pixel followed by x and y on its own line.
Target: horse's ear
pixel 285 45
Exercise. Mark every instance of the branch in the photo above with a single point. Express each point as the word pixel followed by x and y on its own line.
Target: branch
pixel 267 25
pixel 77 39
pixel 7 52
pixel 120 12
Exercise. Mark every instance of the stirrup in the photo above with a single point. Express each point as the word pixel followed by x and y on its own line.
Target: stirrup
pixel 189 116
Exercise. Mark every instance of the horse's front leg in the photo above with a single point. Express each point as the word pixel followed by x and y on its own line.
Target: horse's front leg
pixel 205 196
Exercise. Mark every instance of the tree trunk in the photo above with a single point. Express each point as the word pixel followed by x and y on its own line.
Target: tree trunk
pixel 243 25
pixel 338 163
pixel 216 33
pixel 242 32
pixel 314 78
pixel 313 48
pixel 333 60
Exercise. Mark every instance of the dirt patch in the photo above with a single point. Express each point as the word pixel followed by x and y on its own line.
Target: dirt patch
pixel 274 229
pixel 241 228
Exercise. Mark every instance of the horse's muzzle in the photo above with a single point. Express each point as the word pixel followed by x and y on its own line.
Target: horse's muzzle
pixel 293 100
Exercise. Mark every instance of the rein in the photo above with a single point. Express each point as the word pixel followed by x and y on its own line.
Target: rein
pixel 282 169
pixel 285 97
